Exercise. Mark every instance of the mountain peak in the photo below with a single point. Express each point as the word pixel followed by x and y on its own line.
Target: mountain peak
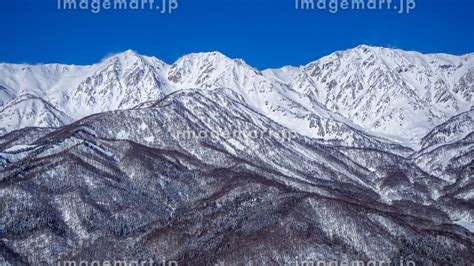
pixel 210 60
pixel 365 46
pixel 129 52
pixel 128 55
pixel 368 49
pixel 213 56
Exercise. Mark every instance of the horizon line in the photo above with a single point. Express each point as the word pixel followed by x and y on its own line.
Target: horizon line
pixel 111 55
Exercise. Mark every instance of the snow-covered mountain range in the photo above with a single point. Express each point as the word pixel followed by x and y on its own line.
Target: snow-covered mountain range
pixel 390 94
pixel 365 154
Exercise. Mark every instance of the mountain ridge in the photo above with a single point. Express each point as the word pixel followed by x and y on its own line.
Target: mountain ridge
pixel 309 93
pixel 126 184
pixel 211 161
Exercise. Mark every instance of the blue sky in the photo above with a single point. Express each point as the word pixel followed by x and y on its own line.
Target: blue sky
pixel 265 33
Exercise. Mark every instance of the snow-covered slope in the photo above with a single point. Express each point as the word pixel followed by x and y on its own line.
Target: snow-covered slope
pixel 269 95
pixel 210 159
pixel 454 129
pixel 448 150
pixel 397 93
pixel 350 97
pixel 119 82
pixel 133 184
pixel 5 96
pixel 28 110
pixel 37 80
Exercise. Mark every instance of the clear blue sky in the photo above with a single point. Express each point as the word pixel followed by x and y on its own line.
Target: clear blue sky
pixel 265 33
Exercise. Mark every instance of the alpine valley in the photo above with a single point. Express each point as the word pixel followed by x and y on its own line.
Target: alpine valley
pixel 366 154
